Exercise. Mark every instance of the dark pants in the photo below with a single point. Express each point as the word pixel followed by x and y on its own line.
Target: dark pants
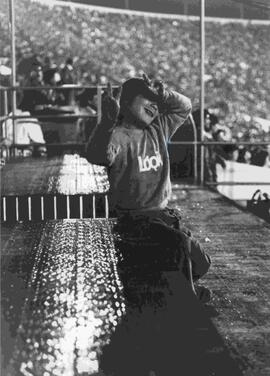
pixel 165 228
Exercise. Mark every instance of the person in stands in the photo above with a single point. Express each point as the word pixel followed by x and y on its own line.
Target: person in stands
pixel 68 78
pixel 131 140
pixel 213 154
pixel 29 137
pixel 35 97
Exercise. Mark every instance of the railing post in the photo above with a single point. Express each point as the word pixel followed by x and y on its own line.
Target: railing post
pixel 13 62
pixel 5 100
pixel 202 89
pixel 99 103
pixel 195 149
pixel 4 124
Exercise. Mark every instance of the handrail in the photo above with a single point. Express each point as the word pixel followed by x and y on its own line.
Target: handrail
pixel 236 183
pixel 219 143
pixel 238 142
pixel 82 145
pixel 58 144
pixel 61 87
pixel 4 118
pixel 184 143
pixel 57 116
pixel 98 89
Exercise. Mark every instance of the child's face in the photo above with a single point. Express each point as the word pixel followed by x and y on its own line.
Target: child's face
pixel 143 109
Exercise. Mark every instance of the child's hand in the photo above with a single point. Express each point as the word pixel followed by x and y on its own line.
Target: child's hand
pixel 160 89
pixel 110 104
pixel 157 86
pixel 147 79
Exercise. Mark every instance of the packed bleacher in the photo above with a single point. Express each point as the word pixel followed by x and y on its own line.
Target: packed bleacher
pixel 108 46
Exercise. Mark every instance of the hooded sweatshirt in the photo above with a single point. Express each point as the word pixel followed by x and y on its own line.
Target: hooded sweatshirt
pixel 137 159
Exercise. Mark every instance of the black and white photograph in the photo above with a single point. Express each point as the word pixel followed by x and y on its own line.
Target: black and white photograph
pixel 135 187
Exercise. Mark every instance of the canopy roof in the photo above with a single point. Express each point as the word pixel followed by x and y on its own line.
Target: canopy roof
pixel 251 9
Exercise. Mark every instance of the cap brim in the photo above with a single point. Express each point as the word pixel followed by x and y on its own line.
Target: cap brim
pixel 149 94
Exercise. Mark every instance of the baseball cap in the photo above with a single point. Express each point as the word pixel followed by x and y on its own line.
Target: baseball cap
pixel 136 86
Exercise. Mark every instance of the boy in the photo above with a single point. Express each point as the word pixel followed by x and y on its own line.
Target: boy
pixel 131 140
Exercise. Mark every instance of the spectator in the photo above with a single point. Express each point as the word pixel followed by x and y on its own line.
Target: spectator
pixel 85 99
pixel 87 106
pixel 213 154
pixel 260 157
pixel 68 78
pixel 48 68
pixel 34 98
pixel 67 72
pixel 244 155
pixel 26 65
pixel 55 96
pixel 28 131
pixel 231 152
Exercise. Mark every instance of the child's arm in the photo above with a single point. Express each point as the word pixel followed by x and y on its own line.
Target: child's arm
pixel 174 108
pixel 96 148
pixel 99 150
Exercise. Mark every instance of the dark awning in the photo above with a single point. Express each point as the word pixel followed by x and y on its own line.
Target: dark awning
pixel 251 9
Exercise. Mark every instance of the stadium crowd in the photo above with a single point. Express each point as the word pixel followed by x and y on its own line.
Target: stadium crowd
pixel 112 47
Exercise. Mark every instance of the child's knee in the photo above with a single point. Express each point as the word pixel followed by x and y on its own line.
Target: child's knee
pixel 201 261
pixel 202 267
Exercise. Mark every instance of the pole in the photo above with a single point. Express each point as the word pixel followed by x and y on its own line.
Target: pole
pixel 241 8
pixel 186 7
pixel 202 24
pixel 195 149
pixel 99 104
pixel 13 67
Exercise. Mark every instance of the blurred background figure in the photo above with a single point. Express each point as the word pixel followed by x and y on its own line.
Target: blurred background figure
pixel 67 72
pixel 244 155
pixel 56 97
pixel 260 157
pixel 182 159
pixel 68 78
pixel 26 63
pixel 28 132
pixel 213 131
pixel 48 67
pixel 34 98
pixel 231 152
pixel 86 100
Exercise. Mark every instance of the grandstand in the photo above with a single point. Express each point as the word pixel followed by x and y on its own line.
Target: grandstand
pixel 234 73
pixel 78 298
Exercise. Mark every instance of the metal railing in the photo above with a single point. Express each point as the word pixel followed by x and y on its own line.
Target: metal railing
pixel 98 90
pixel 218 143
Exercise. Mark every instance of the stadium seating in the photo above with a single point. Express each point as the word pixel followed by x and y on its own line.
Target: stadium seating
pixel 108 46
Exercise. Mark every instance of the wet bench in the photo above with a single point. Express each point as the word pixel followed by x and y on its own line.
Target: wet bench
pixel 61 295
pixel 68 310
